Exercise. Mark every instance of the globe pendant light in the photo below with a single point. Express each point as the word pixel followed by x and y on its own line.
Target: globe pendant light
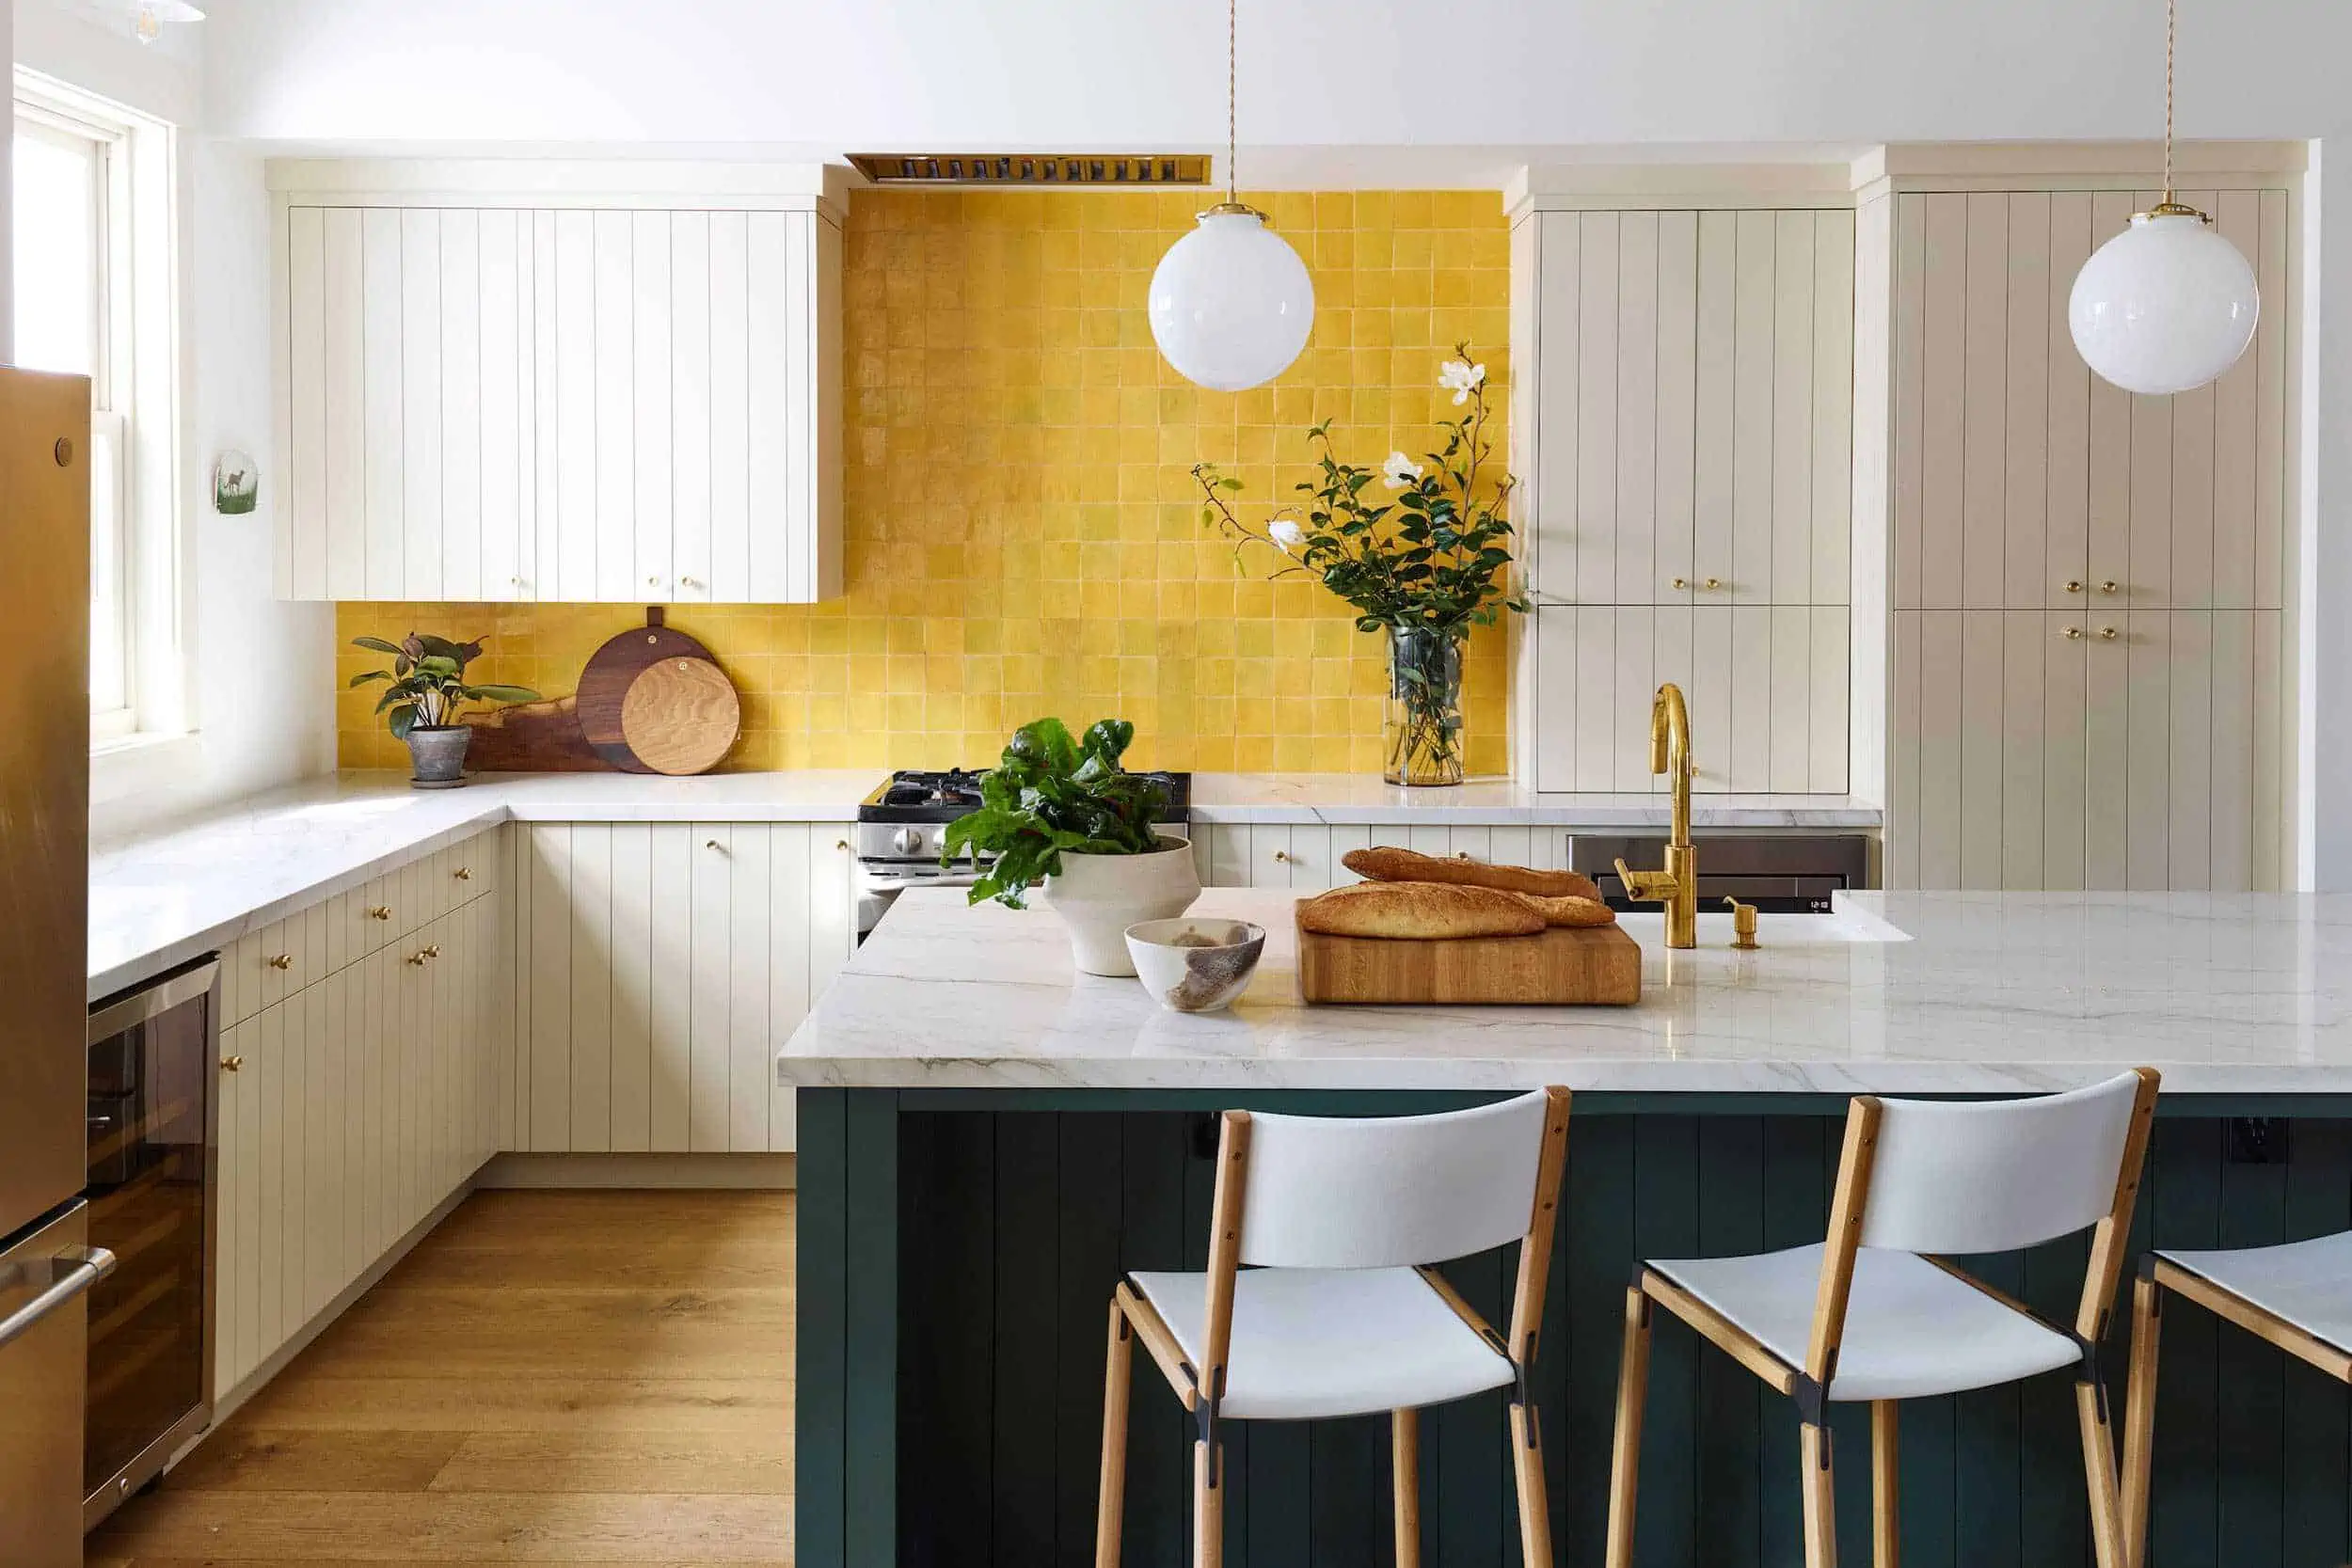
pixel 1231 302
pixel 2169 303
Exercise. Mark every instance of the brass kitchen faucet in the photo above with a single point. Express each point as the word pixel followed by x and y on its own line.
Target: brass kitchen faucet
pixel 1677 885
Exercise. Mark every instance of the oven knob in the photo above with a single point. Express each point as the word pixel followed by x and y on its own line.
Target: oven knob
pixel 907 841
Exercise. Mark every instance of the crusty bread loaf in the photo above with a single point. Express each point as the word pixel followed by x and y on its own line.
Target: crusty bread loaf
pixel 1418 911
pixel 1388 864
pixel 1570 911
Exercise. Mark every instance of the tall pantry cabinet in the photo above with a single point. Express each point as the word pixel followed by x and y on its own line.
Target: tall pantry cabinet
pixel 2082 590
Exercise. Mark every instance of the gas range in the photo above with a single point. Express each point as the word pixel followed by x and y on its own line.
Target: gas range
pixel 902 824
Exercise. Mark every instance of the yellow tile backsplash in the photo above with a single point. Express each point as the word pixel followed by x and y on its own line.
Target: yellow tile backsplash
pixel 1020 533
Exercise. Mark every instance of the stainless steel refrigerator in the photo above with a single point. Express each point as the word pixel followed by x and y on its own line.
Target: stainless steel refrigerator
pixel 46 1264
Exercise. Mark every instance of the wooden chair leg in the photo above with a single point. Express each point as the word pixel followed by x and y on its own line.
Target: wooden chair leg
pixel 1527 1469
pixel 1886 1545
pixel 1405 1461
pixel 2106 1511
pixel 1111 1503
pixel 2140 1417
pixel 1625 1458
pixel 1208 1506
pixel 1820 1498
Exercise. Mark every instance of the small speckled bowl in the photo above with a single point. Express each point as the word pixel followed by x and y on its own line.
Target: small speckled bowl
pixel 1195 963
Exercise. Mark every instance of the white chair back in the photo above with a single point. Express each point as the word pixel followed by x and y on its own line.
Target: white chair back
pixel 1995 1175
pixel 1383 1192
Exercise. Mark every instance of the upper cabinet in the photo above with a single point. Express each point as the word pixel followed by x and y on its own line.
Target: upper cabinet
pixel 491 391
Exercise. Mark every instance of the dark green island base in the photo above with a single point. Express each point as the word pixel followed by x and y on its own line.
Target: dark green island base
pixel 957 1247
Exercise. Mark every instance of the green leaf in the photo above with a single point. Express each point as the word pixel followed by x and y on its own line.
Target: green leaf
pixel 366 675
pixel 404 720
pixel 377 643
pixel 501 695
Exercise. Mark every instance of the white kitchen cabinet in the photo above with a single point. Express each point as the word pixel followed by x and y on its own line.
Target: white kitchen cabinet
pixel 1307 856
pixel 662 964
pixel 555 396
pixel 1682 435
pixel 2083 586
pixel 350 1107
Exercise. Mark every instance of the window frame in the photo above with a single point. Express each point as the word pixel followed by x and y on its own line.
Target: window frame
pixel 137 401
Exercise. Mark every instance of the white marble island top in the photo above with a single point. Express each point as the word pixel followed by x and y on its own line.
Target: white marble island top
pixel 1906 992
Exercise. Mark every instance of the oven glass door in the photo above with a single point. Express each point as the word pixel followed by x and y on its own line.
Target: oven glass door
pixel 148 1122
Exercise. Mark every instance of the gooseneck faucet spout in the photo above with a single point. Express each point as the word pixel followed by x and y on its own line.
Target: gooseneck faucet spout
pixel 1677 885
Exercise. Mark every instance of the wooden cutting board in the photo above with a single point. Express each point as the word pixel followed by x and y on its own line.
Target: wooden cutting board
pixel 1562 966
pixel 681 716
pixel 612 669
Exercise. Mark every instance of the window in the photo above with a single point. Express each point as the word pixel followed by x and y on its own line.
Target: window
pixel 92 229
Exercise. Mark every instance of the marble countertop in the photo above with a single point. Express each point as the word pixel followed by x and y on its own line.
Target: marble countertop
pixel 1907 992
pixel 1352 798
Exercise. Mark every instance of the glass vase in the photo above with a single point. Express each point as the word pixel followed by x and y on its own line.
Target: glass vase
pixel 1421 728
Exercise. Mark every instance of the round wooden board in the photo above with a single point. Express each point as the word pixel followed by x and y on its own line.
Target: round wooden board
pixel 605 680
pixel 681 716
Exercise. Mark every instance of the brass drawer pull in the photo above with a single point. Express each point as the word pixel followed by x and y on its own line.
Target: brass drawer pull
pixel 2108 587
pixel 231 1064
pixel 1679 583
pixel 417 957
pixel 1712 583
pixel 463 874
pixel 282 960
pixel 2072 634
pixel 1282 856
pixel 841 844
pixel 379 911
pixel 2073 586
pixel 2106 634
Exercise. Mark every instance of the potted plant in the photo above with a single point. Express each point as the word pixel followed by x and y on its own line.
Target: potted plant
pixel 1423 559
pixel 1062 813
pixel 425 686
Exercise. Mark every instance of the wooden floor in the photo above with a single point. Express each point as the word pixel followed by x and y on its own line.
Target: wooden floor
pixel 552 1377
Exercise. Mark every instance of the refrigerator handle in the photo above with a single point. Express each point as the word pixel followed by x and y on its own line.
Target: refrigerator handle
pixel 92 1265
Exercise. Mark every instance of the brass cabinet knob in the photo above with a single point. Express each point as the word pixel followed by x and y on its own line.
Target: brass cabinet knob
pixel 710 844
pixel 841 844
pixel 1680 583
pixel 433 950
pixel 417 958
pixel 689 582
pixel 231 1064
pixel 379 911
pixel 281 961
pixel 2071 634
pixel 2106 634
pixel 2109 586
pixel 464 873
pixel 1282 855
pixel 2074 585
pixel 653 582
pixel 1712 583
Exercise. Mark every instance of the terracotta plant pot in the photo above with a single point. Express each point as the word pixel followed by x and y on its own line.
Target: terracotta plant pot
pixel 1099 896
pixel 437 755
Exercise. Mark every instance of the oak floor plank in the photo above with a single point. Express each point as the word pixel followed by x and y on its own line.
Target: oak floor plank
pixel 550 1378
pixel 617 1462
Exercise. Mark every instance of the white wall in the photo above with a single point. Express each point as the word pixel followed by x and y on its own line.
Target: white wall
pixel 264 713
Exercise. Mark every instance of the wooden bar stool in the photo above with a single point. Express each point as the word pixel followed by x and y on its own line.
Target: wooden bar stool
pixel 1869 1317
pixel 1338 1313
pixel 2298 1296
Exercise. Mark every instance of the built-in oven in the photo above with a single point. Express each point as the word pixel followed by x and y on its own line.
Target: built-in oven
pixel 152 1158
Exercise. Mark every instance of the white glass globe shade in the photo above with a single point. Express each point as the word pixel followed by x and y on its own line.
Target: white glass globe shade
pixel 1232 304
pixel 2165 306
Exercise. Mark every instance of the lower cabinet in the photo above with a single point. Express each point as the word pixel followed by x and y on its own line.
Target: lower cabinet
pixel 1307 855
pixel 661 965
pixel 349 1108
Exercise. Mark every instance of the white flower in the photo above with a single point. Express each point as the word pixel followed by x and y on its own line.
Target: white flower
pixel 1459 376
pixel 1285 534
pixel 1399 471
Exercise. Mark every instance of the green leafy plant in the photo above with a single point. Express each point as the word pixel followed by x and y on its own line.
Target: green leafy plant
pixel 427 681
pixel 1050 793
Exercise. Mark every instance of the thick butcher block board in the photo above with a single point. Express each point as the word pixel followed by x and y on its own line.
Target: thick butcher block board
pixel 1562 966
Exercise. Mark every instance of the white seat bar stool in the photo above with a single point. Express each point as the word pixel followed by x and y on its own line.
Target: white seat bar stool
pixel 2298 1296
pixel 1339 1312
pixel 1877 1314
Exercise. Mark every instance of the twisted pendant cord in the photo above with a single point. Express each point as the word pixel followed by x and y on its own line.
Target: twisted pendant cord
pixel 1233 141
pixel 2170 7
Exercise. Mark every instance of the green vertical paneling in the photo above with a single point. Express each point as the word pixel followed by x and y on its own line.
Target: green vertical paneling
pixel 1598 1236
pixel 821 1233
pixel 2316 1428
pixel 2185 1161
pixel 870 1334
pixel 1011 1226
pixel 1026 1348
pixel 1727 1525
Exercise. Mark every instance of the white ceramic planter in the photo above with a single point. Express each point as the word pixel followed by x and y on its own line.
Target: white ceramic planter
pixel 1099 896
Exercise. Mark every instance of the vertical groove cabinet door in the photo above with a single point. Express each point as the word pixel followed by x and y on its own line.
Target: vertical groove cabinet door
pixel 232 1255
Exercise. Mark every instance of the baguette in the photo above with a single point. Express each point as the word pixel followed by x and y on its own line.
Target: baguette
pixel 1389 865
pixel 1422 912
pixel 1569 911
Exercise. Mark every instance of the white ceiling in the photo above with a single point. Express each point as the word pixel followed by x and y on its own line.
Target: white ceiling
pixel 1333 91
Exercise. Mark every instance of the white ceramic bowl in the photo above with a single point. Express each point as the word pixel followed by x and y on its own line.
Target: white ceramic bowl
pixel 1195 963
